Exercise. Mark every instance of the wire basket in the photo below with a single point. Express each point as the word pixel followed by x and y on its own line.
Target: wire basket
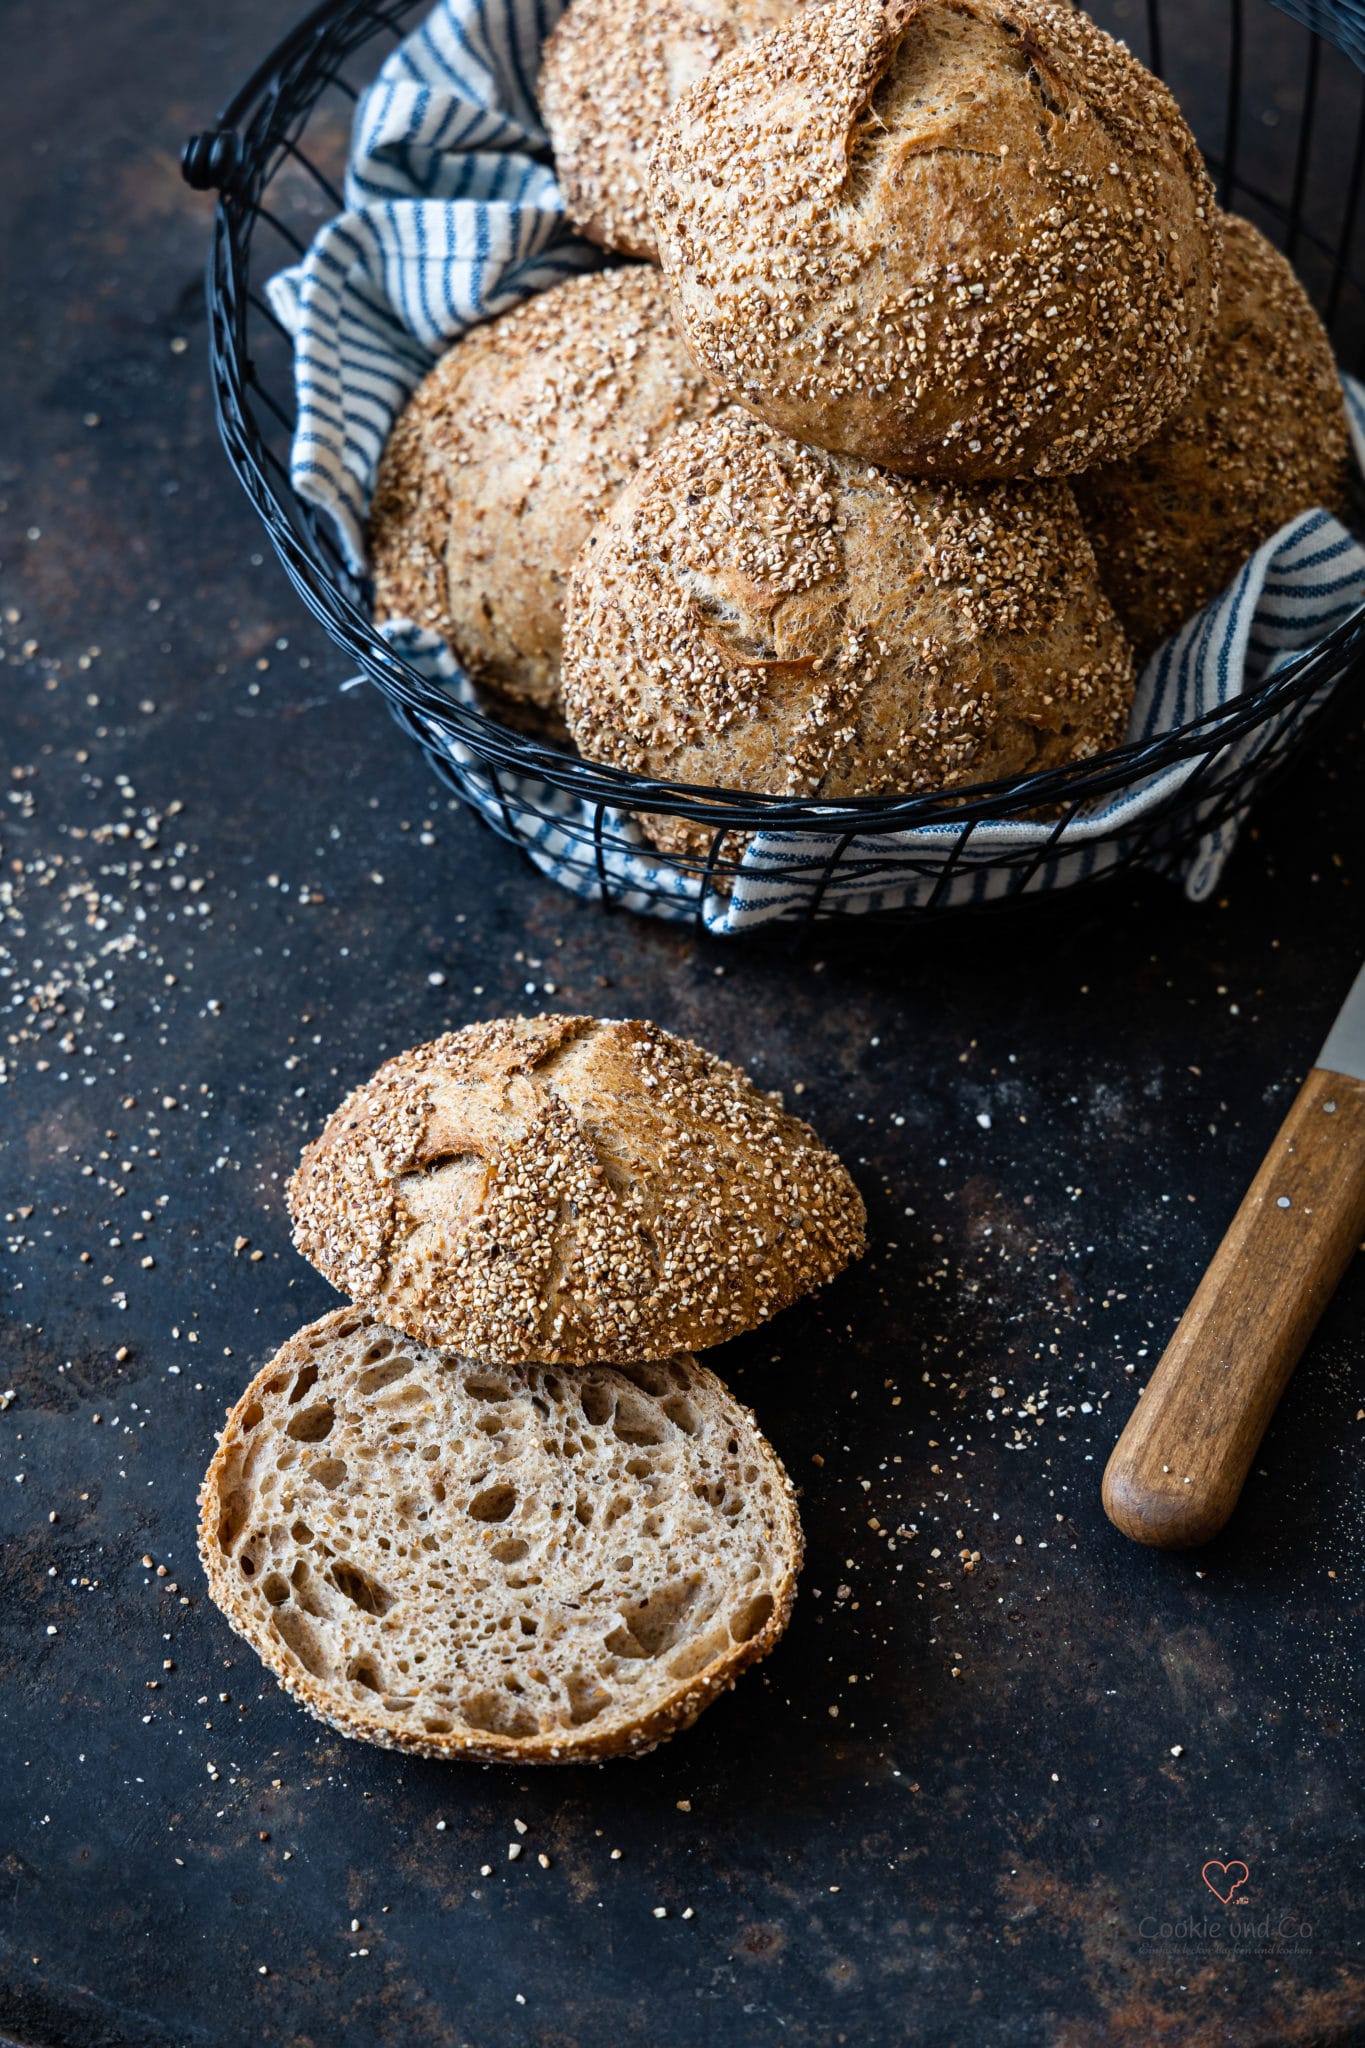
pixel 1287 122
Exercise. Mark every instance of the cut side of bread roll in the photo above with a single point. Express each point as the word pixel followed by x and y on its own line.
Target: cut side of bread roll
pixel 510 1563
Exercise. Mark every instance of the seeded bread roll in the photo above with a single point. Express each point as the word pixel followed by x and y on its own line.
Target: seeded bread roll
pixel 1263 437
pixel 508 1563
pixel 762 616
pixel 507 452
pixel 969 239
pixel 611 71
pixel 570 1190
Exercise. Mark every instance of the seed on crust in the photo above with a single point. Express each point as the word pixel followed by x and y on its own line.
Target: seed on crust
pixel 571 1190
pixel 507 452
pixel 762 616
pixel 610 73
pixel 508 1563
pixel 961 238
pixel 1263 438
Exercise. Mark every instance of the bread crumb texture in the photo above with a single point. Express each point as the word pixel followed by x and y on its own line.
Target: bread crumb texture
pixel 962 238
pixel 1263 438
pixel 509 1563
pixel 763 616
pixel 610 73
pixel 507 452
pixel 571 1190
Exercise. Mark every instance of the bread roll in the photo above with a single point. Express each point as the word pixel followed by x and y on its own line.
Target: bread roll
pixel 969 239
pixel 611 71
pixel 561 1189
pixel 1263 437
pixel 517 1564
pixel 762 616
pixel 507 452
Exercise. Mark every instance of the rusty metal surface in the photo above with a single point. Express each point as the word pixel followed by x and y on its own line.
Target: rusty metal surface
pixel 970 1798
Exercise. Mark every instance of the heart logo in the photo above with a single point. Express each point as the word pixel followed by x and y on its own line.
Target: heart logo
pixel 1233 1875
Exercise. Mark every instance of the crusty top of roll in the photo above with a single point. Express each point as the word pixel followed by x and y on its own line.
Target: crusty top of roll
pixel 1263 438
pixel 611 71
pixel 508 451
pixel 763 616
pixel 962 238
pixel 570 1190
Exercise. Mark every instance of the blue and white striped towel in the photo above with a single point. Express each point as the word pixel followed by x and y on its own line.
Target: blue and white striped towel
pixel 453 215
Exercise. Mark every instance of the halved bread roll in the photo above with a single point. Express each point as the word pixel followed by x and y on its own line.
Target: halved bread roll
pixel 571 1189
pixel 517 1564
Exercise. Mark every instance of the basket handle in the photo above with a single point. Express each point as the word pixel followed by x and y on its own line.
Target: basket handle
pixel 211 160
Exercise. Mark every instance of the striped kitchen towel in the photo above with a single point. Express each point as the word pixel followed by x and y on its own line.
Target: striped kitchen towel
pixel 453 215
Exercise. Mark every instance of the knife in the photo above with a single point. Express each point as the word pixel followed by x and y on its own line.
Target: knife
pixel 1177 1470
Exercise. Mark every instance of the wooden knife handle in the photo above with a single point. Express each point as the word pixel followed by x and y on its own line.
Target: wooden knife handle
pixel 1179 1466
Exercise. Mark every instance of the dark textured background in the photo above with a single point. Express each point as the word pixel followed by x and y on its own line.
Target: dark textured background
pixel 956 1802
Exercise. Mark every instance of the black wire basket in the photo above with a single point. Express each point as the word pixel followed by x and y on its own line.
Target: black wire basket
pixel 1282 124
